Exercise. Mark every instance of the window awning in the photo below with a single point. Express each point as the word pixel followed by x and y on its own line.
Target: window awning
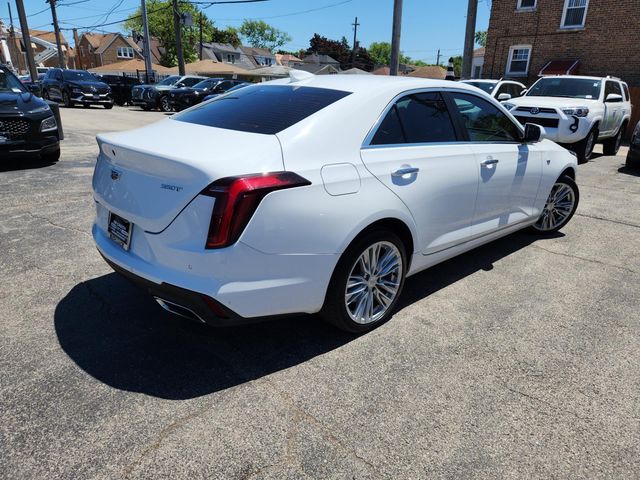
pixel 560 67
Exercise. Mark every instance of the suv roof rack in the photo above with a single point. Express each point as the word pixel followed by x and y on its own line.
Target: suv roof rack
pixel 613 78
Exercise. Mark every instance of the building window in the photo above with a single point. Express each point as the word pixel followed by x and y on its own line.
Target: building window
pixel 477 72
pixel 574 13
pixel 526 4
pixel 231 58
pixel 125 52
pixel 518 62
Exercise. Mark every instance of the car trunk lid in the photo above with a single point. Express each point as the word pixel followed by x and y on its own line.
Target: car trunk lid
pixel 149 175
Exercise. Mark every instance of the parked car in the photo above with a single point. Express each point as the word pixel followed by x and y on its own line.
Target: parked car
pixel 29 127
pixel 185 97
pixel 73 87
pixel 501 90
pixel 232 89
pixel 577 111
pixel 633 156
pixel 320 194
pixel 33 86
pixel 120 87
pixel 156 96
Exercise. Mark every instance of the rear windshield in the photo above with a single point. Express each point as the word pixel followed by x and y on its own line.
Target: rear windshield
pixel 267 109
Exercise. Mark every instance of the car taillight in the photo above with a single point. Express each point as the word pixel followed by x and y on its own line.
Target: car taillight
pixel 237 199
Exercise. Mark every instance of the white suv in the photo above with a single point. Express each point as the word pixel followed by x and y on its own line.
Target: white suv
pixel 501 90
pixel 577 111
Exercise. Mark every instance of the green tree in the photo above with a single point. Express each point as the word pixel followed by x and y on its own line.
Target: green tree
pixel 160 14
pixel 260 34
pixel 481 38
pixel 228 35
pixel 380 53
pixel 457 65
pixel 340 51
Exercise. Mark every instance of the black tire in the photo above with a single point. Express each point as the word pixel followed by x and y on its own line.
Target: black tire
pixel 584 148
pixel 66 99
pixel 334 310
pixel 108 106
pixel 566 180
pixel 632 163
pixel 45 95
pixel 51 157
pixel 146 108
pixel 86 105
pixel 611 145
pixel 163 104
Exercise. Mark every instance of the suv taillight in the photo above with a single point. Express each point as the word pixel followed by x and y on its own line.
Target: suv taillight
pixel 237 199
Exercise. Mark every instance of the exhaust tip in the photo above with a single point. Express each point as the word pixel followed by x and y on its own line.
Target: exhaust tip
pixel 180 310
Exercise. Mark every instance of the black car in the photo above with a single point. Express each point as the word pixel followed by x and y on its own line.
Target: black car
pixel 120 87
pixel 29 126
pixel 633 157
pixel 76 86
pixel 182 98
pixel 154 96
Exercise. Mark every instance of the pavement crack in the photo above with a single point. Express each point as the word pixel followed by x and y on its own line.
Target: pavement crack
pixel 57 225
pixel 618 222
pixel 585 259
pixel 545 402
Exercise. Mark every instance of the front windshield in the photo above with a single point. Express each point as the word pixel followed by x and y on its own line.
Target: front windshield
pixel 566 87
pixel 206 84
pixel 78 75
pixel 9 83
pixel 170 80
pixel 486 86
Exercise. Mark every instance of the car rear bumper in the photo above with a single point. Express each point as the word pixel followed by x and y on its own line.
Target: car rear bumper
pixel 247 284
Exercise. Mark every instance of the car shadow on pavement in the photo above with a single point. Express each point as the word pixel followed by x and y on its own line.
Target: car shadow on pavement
pixel 118 334
pixel 23 164
pixel 634 172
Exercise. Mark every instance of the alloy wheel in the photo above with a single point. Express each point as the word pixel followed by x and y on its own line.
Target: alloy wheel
pixel 374 282
pixel 558 208
pixel 164 104
pixel 588 148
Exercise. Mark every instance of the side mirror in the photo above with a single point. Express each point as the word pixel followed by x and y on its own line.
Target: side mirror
pixel 613 98
pixel 503 97
pixel 533 133
pixel 33 88
pixel 180 85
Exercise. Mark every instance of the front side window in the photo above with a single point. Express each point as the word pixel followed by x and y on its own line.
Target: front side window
pixel 172 80
pixel 416 118
pixel 526 4
pixel 566 87
pixel 9 82
pixel 484 121
pixel 266 109
pixel 518 62
pixel 612 87
pixel 574 13
pixel 190 82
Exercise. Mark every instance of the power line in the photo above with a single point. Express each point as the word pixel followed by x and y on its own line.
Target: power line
pixel 287 14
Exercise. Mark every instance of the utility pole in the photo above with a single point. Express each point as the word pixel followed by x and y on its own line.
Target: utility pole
pixel 12 45
pixel 438 60
pixel 177 25
pixel 395 37
pixel 26 38
pixel 56 29
pixel 469 39
pixel 77 43
pixel 355 42
pixel 200 25
pixel 147 46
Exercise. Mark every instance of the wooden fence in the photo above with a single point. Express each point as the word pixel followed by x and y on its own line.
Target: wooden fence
pixel 635 113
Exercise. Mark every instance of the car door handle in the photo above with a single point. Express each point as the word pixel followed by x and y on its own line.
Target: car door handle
pixel 488 162
pixel 401 172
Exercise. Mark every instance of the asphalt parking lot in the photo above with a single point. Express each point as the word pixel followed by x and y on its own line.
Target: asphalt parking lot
pixel 520 359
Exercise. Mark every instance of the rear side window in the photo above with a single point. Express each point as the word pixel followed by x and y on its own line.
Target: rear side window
pixel 627 95
pixel 262 109
pixel 417 118
pixel 190 82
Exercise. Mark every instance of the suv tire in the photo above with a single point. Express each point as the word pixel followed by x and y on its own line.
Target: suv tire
pixel 584 148
pixel 66 99
pixel 611 145
pixel 163 104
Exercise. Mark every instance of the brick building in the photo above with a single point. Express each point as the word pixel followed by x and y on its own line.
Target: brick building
pixel 98 49
pixel 529 38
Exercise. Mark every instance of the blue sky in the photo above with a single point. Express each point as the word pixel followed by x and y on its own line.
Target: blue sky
pixel 427 25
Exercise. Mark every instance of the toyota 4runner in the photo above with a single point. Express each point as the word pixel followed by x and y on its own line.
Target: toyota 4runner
pixel 577 111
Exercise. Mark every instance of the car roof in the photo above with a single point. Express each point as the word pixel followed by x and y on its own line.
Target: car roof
pixel 480 80
pixel 367 83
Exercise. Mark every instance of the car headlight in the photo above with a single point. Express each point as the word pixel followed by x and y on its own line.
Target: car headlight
pixel 43 108
pixel 508 105
pixel 576 111
pixel 49 124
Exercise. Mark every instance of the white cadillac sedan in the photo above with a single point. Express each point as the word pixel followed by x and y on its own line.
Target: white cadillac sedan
pixel 320 194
